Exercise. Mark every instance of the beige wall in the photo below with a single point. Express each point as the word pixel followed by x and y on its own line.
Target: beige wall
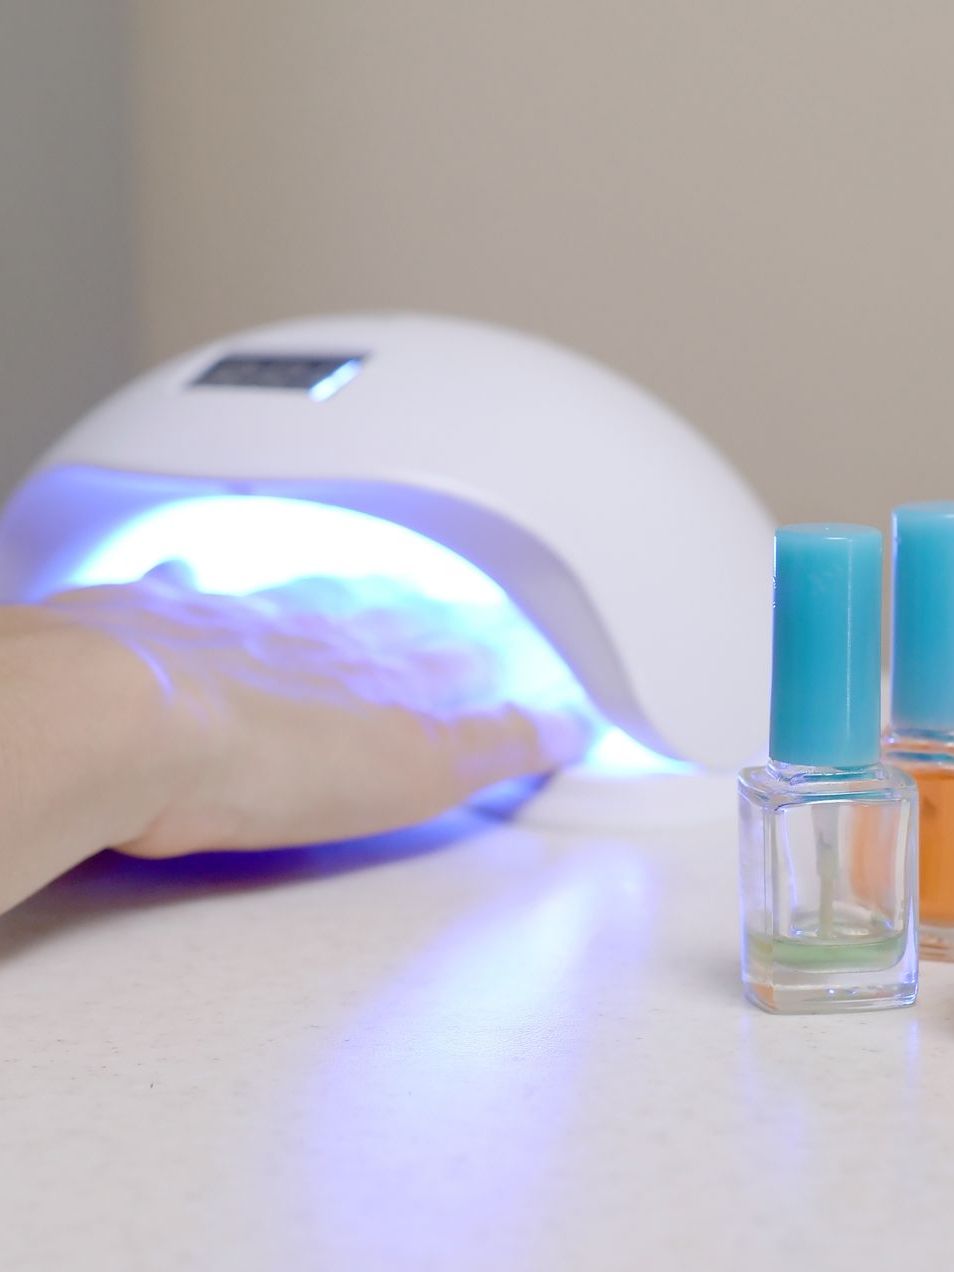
pixel 747 205
pixel 65 255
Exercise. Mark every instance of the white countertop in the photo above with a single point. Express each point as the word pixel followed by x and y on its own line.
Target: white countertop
pixel 472 1046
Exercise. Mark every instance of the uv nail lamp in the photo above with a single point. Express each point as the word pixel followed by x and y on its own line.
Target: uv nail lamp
pixel 617 530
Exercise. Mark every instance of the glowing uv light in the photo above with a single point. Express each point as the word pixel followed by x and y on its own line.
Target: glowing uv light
pixel 239 544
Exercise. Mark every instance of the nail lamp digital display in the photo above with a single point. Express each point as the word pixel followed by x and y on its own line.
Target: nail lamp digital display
pixel 614 551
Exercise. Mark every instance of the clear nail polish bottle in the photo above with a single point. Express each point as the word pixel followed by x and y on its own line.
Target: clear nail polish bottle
pixel 828 834
pixel 920 736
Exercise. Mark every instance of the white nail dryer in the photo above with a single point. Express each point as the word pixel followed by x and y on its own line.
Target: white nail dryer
pixel 622 534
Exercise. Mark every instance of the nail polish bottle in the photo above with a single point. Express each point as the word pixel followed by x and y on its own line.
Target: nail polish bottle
pixel 920 736
pixel 828 834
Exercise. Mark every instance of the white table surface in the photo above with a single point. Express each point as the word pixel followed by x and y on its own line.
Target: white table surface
pixel 475 1045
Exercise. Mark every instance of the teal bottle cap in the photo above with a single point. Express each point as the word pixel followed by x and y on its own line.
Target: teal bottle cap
pixel 922 618
pixel 826 646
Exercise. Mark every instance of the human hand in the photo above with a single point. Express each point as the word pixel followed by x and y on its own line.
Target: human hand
pixel 281 718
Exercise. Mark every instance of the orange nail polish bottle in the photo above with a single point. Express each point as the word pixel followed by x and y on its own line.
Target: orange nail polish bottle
pixel 920 736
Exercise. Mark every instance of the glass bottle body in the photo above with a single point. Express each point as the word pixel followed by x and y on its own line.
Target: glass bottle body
pixel 928 757
pixel 829 887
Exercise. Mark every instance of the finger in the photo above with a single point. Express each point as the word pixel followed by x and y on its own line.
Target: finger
pixel 307 596
pixel 514 742
pixel 175 574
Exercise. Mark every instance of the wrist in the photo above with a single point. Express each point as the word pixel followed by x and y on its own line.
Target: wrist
pixel 86 752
